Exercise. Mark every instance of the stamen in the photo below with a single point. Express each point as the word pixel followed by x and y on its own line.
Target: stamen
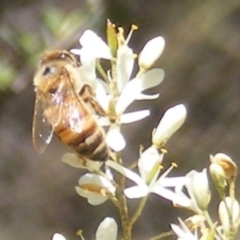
pixel 164 150
pixel 103 192
pixel 174 164
pixel 91 187
pixel 79 233
pixel 133 28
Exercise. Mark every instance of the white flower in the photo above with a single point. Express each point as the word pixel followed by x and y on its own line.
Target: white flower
pixel 107 229
pixel 183 231
pixel 95 188
pixel 58 236
pixel 149 166
pixel 151 52
pixel 171 121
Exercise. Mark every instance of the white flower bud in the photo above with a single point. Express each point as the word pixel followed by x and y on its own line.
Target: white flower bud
pixel 218 177
pixel 170 123
pixel 229 213
pixel 228 166
pixel 200 188
pixel 58 236
pixel 107 229
pixel 151 52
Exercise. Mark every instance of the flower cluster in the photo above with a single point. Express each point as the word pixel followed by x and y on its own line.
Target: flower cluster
pixel 116 88
pixel 223 171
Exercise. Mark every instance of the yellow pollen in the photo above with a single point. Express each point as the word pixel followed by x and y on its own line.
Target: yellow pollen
pixel 135 56
pixel 79 232
pixel 174 164
pixel 91 187
pixel 103 192
pixel 134 27
pixel 160 167
pixel 164 150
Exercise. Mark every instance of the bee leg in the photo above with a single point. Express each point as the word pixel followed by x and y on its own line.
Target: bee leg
pixel 88 96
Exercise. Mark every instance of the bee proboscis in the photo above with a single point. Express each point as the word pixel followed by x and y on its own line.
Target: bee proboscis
pixel 61 108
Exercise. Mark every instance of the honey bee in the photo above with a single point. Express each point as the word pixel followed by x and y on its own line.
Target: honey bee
pixel 62 109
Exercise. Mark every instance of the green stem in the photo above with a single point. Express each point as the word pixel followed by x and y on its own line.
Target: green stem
pixel 209 220
pixel 232 188
pixel 163 235
pixel 138 211
pixel 123 208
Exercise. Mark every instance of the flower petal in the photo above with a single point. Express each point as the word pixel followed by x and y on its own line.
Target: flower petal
pixel 229 213
pixel 87 74
pixel 136 191
pixel 95 45
pixel 101 95
pixel 142 96
pixel 58 236
pixel 170 195
pixel 173 181
pixel 115 139
pixel 134 88
pixel 151 52
pixel 186 201
pixel 124 66
pixel 134 116
pixel 128 95
pixel 125 172
pixel 92 198
pixel 97 181
pixel 152 78
pixel 149 164
pixel 107 229
pixel 183 232
pixel 76 161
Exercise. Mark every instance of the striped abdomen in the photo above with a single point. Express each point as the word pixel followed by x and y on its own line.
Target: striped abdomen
pixel 89 143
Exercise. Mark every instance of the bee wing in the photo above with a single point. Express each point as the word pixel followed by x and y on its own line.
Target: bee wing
pixel 76 118
pixel 42 129
pixel 76 110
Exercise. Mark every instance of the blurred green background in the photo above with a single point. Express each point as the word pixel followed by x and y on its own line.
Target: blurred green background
pixel 202 65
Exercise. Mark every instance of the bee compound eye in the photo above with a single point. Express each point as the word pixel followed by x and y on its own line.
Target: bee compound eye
pixel 48 70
